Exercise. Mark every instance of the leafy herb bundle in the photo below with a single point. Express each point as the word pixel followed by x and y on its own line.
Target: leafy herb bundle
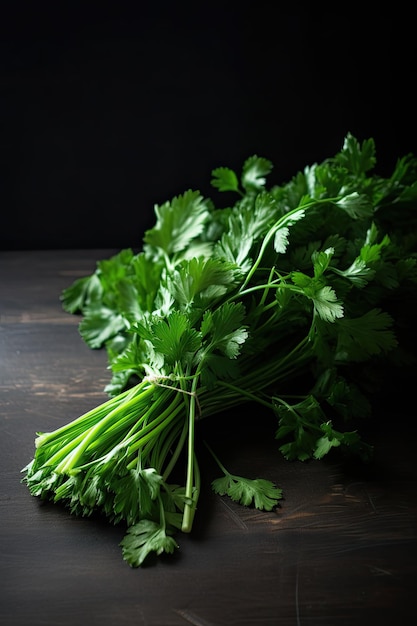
pixel 282 298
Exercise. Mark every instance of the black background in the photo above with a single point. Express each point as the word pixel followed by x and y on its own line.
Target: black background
pixel 109 109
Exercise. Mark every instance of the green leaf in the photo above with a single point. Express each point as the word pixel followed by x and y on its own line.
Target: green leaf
pixel 135 493
pixel 333 439
pixel 299 424
pixel 143 538
pixel 224 179
pixel 357 206
pixel 174 339
pixel 283 229
pixel 130 358
pixel 223 328
pixel 146 278
pixel 326 304
pixel 263 494
pixel 357 158
pixel 201 282
pixel 75 297
pixel 115 269
pixel 358 273
pixel 325 301
pixel 178 222
pixel 255 169
pixel 365 336
pixel 321 261
pixel 99 325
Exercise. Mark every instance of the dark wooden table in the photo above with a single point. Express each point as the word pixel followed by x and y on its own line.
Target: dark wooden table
pixel 340 550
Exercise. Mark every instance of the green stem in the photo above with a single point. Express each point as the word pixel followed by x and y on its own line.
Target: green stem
pixel 93 416
pixel 91 435
pixel 215 457
pixel 244 392
pixel 190 503
pixel 153 428
pixel 190 507
pixel 280 223
pixel 176 453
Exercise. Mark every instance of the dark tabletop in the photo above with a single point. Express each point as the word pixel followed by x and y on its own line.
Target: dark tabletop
pixel 340 550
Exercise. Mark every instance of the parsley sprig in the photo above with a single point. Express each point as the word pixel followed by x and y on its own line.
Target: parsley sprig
pixel 282 298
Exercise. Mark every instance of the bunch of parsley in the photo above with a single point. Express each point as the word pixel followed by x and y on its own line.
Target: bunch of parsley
pixel 281 298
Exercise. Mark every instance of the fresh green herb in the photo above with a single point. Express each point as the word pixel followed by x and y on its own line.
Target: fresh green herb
pixel 283 298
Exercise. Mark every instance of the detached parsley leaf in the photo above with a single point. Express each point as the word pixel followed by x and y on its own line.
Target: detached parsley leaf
pixel 143 538
pixel 261 493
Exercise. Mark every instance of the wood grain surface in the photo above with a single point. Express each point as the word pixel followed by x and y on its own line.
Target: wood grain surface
pixel 340 550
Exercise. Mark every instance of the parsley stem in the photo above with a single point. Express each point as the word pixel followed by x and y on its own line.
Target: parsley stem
pixel 92 434
pixel 190 501
pixel 244 392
